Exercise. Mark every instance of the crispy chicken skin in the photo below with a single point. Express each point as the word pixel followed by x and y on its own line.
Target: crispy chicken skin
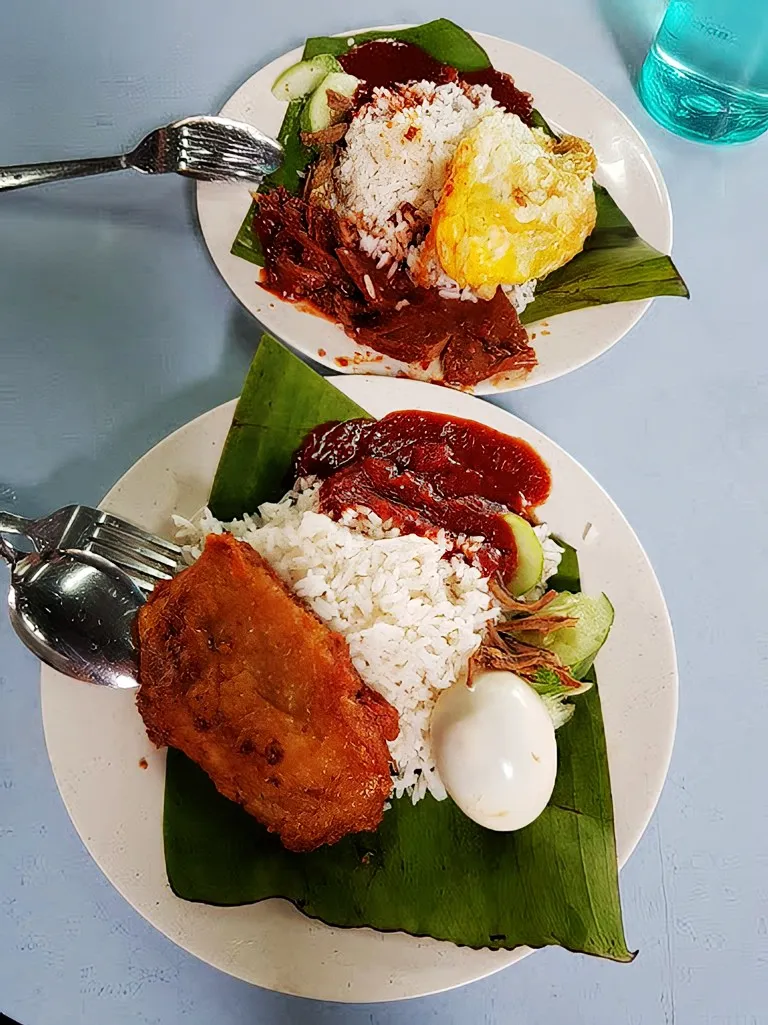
pixel 242 677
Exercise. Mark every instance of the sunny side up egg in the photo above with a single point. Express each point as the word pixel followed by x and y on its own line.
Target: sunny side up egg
pixel 495 750
pixel 517 204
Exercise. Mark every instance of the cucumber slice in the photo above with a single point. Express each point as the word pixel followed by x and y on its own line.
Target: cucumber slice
pixel 530 556
pixel 576 646
pixel 303 78
pixel 318 113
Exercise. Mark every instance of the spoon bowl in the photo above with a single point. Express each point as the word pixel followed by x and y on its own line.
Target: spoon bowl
pixel 75 610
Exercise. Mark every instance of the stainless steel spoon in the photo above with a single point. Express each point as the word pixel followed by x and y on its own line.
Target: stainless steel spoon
pixel 75 611
pixel 208 148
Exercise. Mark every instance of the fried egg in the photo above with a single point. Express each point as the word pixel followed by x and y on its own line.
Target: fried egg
pixel 517 204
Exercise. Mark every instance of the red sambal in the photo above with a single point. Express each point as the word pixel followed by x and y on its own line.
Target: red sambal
pixel 425 472
pixel 390 62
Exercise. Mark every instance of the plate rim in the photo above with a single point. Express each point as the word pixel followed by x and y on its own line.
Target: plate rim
pixel 636 309
pixel 50 679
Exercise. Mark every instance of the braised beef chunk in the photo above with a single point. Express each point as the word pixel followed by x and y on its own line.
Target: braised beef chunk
pixel 493 341
pixel 416 333
pixel 296 238
pixel 382 291
pixel 311 256
pixel 424 472
pixel 412 501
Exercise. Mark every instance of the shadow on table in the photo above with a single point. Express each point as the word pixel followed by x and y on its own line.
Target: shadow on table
pixel 633 24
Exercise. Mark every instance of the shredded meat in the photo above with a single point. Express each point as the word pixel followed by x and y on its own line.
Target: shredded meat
pixel 380 309
pixel 491 657
pixel 499 650
pixel 523 659
pixel 527 614
pixel 318 186
pixel 294 234
pixel 539 624
pixel 338 103
pixel 505 599
pixel 327 137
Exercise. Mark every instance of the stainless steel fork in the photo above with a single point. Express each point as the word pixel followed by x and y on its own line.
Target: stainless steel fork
pixel 144 557
pixel 209 148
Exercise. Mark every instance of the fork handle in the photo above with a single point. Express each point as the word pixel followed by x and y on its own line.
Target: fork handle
pixel 23 175
pixel 10 523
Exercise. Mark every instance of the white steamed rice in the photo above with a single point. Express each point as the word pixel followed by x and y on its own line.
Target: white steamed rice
pixel 397 151
pixel 395 160
pixel 412 617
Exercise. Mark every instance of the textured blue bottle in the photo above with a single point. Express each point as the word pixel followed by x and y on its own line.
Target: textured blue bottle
pixel 706 74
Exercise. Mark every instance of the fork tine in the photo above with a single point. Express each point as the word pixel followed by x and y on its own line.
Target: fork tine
pixel 231 147
pixel 144 583
pixel 221 170
pixel 213 145
pixel 131 565
pixel 130 529
pixel 246 159
pixel 134 547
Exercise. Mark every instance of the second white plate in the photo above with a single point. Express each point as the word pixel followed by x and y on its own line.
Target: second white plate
pixel 111 778
pixel 627 169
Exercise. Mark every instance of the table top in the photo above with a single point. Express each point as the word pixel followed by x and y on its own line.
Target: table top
pixel 115 328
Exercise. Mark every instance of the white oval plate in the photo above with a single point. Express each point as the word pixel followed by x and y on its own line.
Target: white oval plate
pixel 627 169
pixel 96 738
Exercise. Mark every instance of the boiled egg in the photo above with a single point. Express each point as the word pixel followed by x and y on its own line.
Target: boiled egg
pixel 494 748
pixel 516 205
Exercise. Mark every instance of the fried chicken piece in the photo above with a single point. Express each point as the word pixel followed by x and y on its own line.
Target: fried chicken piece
pixel 242 677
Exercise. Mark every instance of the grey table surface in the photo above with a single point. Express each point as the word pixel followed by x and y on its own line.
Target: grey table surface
pixel 115 328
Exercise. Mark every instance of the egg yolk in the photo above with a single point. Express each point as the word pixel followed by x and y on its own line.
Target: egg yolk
pixel 517 204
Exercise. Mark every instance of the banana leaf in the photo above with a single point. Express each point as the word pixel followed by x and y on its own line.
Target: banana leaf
pixel 428 870
pixel 616 264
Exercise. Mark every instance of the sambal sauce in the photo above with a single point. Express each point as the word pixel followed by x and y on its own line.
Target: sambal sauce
pixel 390 62
pixel 424 472
pixel 503 90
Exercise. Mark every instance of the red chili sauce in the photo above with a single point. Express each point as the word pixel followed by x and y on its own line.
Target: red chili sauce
pixel 387 62
pixel 425 471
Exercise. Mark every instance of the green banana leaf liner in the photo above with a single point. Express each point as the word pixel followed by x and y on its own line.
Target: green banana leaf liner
pixel 616 265
pixel 428 870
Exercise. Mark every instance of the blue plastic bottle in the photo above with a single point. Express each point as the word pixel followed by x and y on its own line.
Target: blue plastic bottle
pixel 706 74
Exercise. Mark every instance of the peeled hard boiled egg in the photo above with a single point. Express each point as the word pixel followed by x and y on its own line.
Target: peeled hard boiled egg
pixel 494 747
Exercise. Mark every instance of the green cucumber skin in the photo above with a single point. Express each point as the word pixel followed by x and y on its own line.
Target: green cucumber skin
pixel 577 646
pixel 303 78
pixel 317 110
pixel 530 556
